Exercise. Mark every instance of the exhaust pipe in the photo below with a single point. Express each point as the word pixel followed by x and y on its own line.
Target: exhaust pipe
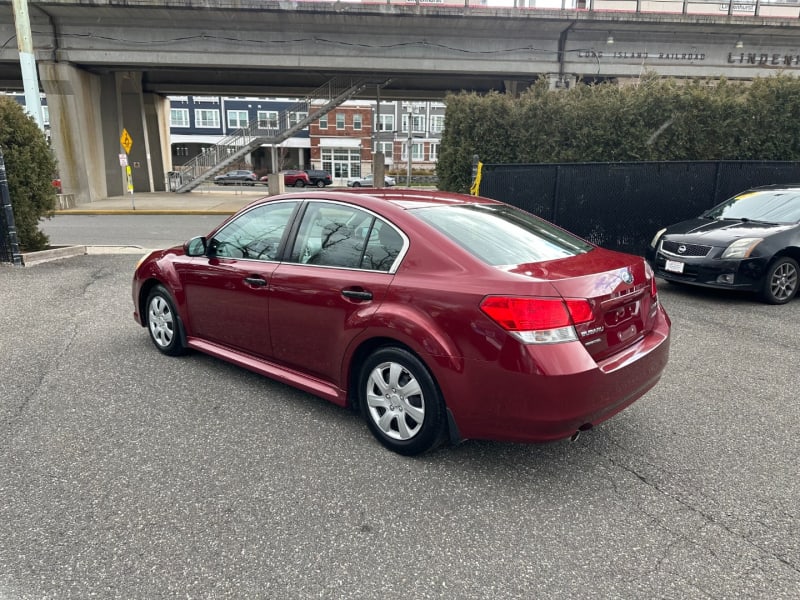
pixel 585 427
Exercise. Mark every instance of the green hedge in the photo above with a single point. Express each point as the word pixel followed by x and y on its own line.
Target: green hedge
pixel 30 168
pixel 656 119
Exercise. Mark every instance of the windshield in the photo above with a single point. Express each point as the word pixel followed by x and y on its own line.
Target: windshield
pixel 502 235
pixel 772 206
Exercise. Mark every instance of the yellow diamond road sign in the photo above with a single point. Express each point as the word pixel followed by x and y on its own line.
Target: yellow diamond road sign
pixel 126 140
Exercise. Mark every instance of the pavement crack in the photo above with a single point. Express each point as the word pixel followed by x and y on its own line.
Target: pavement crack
pixel 706 516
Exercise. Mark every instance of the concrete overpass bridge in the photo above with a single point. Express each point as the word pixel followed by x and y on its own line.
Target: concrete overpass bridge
pixel 108 64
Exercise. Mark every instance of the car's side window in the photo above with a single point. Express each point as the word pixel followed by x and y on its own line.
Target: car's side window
pixel 255 235
pixel 382 248
pixel 335 235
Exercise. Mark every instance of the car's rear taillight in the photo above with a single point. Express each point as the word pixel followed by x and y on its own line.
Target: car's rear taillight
pixel 651 277
pixel 538 320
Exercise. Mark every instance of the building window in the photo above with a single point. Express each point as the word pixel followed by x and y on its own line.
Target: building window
pixel 416 151
pixel 437 123
pixel 205 117
pixel 342 162
pixel 237 119
pixel 386 147
pixel 268 119
pixel 179 117
pixel 339 121
pixel 417 121
pixel 295 117
pixel 386 123
pixel 45 114
pixel 323 122
pixel 434 151
pixel 357 122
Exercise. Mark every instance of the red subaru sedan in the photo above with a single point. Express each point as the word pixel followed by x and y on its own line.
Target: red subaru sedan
pixel 438 316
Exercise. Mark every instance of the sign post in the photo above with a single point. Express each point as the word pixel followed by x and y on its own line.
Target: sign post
pixel 127 141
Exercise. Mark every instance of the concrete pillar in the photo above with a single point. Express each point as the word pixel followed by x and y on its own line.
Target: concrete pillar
pixel 87 115
pixel 156 119
pixel 132 116
pixel 73 99
pixel 378 170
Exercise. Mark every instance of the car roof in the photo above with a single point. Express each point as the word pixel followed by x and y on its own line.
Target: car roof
pixel 775 187
pixel 403 198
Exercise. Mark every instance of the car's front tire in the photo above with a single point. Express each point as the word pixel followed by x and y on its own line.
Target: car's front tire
pixel 401 402
pixel 163 323
pixel 780 284
pixel 299 183
pixel 356 184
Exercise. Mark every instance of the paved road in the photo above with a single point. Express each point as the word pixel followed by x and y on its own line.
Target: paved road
pixel 148 231
pixel 127 474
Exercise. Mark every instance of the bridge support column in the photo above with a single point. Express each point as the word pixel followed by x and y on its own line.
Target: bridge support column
pixel 87 115
pixel 139 114
pixel 73 100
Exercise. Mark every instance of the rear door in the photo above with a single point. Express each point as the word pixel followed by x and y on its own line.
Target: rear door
pixel 339 269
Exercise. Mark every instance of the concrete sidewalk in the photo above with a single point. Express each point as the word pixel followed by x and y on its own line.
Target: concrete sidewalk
pixel 203 201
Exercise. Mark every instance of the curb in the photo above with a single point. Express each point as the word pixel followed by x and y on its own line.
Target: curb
pixel 30 259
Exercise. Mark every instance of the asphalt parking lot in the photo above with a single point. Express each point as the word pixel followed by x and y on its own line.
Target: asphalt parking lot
pixel 127 474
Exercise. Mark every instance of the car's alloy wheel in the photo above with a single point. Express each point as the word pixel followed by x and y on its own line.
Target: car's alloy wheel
pixel 780 284
pixel 163 323
pixel 320 183
pixel 299 183
pixel 356 184
pixel 400 402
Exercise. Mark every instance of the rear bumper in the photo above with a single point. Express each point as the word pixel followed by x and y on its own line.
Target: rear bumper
pixel 555 393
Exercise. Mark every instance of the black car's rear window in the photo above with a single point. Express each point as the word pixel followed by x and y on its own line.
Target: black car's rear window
pixel 772 206
pixel 502 235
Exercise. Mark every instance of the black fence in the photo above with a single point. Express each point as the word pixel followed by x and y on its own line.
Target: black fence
pixel 621 205
pixel 9 246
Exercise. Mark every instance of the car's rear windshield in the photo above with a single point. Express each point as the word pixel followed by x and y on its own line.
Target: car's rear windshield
pixel 772 206
pixel 502 235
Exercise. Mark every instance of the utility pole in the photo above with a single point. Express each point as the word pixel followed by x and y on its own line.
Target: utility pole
pixel 410 142
pixel 27 61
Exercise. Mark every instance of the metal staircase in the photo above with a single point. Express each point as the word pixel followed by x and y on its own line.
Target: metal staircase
pixel 245 140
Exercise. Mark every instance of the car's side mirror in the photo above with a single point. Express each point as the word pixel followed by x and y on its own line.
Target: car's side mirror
pixel 195 246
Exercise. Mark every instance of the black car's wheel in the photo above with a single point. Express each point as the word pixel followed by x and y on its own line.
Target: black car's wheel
pixel 299 183
pixel 780 284
pixel 320 183
pixel 400 402
pixel 163 323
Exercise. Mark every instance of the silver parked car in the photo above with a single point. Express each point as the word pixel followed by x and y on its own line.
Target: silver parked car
pixel 368 182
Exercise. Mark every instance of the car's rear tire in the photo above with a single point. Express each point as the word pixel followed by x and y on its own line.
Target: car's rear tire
pixel 163 323
pixel 356 184
pixel 320 183
pixel 299 183
pixel 401 402
pixel 781 281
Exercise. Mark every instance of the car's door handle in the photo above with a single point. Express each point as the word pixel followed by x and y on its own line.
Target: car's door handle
pixel 357 294
pixel 255 281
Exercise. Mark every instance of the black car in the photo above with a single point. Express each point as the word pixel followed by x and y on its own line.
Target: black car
pixel 749 242
pixel 319 178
